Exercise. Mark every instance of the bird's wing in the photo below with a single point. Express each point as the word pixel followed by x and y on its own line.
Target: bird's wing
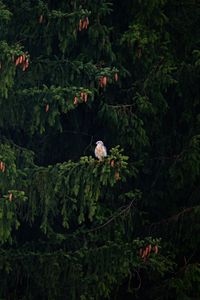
pixel 104 151
pixel 96 152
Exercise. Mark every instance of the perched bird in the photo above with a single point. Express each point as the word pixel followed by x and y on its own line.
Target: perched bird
pixel 100 150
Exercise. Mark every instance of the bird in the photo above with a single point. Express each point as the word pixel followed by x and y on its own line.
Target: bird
pixel 100 150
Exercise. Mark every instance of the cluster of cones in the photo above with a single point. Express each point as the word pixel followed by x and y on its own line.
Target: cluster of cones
pixel 103 80
pixel 83 24
pixel 145 252
pixel 117 175
pixel 23 61
pixel 83 96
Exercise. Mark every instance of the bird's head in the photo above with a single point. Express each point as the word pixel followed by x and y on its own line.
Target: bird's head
pixel 99 143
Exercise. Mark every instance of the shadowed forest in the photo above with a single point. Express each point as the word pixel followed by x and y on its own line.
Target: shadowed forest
pixel 125 225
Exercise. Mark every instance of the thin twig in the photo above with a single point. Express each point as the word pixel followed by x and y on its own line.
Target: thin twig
pixel 174 217
pixel 88 146
pixel 121 106
pixel 140 281
pixel 125 210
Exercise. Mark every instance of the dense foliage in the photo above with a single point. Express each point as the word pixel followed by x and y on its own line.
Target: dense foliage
pixel 74 72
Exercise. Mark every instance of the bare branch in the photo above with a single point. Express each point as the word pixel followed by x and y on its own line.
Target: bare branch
pixel 122 212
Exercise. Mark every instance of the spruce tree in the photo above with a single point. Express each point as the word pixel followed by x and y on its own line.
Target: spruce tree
pixel 75 72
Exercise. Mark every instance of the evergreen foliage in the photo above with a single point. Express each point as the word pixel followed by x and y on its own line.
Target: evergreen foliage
pixel 74 72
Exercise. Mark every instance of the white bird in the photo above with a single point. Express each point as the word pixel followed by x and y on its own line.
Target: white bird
pixel 100 150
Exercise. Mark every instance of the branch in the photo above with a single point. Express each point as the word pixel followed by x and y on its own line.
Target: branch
pixel 121 106
pixel 140 281
pixel 124 211
pixel 174 217
pixel 89 145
